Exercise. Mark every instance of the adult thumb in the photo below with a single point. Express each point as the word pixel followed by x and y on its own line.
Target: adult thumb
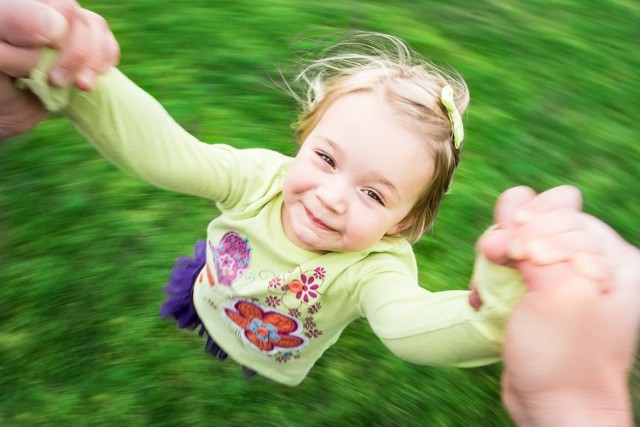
pixel 28 23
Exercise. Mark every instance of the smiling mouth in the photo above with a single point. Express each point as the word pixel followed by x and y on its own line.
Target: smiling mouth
pixel 317 222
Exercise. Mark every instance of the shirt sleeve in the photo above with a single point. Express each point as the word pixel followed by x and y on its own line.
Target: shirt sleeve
pixel 438 328
pixel 132 130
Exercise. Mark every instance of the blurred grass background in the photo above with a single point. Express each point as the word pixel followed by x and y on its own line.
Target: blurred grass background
pixel 85 249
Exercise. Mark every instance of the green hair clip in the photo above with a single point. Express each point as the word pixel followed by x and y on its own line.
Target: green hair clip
pixel 446 96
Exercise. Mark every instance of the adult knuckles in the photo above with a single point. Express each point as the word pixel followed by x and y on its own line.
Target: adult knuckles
pixel 67 8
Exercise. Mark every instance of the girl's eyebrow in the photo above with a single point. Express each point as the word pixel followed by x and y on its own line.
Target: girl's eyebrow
pixel 331 143
pixel 376 177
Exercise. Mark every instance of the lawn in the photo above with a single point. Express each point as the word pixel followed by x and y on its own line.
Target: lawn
pixel 85 249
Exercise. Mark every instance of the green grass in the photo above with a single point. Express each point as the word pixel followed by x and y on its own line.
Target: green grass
pixel 85 249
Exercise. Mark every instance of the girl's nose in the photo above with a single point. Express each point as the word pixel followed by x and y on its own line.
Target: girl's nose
pixel 333 197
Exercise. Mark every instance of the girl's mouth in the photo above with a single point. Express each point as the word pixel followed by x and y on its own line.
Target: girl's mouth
pixel 317 222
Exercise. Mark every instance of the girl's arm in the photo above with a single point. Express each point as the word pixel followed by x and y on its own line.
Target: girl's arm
pixel 132 130
pixel 443 328
pixel 438 328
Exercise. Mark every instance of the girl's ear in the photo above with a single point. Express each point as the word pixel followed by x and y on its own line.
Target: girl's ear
pixel 401 226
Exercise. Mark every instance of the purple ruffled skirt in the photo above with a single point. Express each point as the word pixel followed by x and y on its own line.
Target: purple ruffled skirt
pixel 179 304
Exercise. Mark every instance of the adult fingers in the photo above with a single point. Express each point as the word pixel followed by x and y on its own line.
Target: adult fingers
pixel 17 61
pixel 563 197
pixel 104 53
pixel 547 277
pixel 109 45
pixel 613 243
pixel 67 8
pixel 494 245
pixel 509 202
pixel 562 247
pixel 515 242
pixel 517 206
pixel 90 49
pixel 21 110
pixel 75 52
pixel 544 225
pixel 29 23
pixel 593 267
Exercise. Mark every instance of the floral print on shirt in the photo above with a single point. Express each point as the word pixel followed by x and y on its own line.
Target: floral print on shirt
pixel 266 330
pixel 299 296
pixel 232 257
pixel 281 323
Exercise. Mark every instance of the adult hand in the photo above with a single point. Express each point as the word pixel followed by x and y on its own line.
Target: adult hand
pixel 570 343
pixel 87 48
pixel 504 246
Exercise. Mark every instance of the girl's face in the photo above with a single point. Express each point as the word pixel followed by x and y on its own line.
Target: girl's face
pixel 355 178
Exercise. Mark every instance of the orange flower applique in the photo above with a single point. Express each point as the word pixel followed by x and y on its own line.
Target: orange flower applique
pixel 268 331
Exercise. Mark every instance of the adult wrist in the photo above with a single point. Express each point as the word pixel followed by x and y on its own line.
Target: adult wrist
pixel 19 115
pixel 609 406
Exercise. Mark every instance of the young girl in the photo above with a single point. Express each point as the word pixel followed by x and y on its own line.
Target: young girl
pixel 306 245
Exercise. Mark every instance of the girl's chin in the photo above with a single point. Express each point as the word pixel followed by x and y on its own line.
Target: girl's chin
pixel 310 242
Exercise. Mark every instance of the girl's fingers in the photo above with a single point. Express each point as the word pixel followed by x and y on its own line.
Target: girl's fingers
pixel 474 296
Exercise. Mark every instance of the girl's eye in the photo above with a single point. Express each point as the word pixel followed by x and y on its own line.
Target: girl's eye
pixel 328 160
pixel 374 196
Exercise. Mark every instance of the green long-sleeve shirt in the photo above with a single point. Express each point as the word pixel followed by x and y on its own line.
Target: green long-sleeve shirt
pixel 269 304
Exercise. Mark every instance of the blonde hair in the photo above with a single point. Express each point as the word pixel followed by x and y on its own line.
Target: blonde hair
pixel 365 61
